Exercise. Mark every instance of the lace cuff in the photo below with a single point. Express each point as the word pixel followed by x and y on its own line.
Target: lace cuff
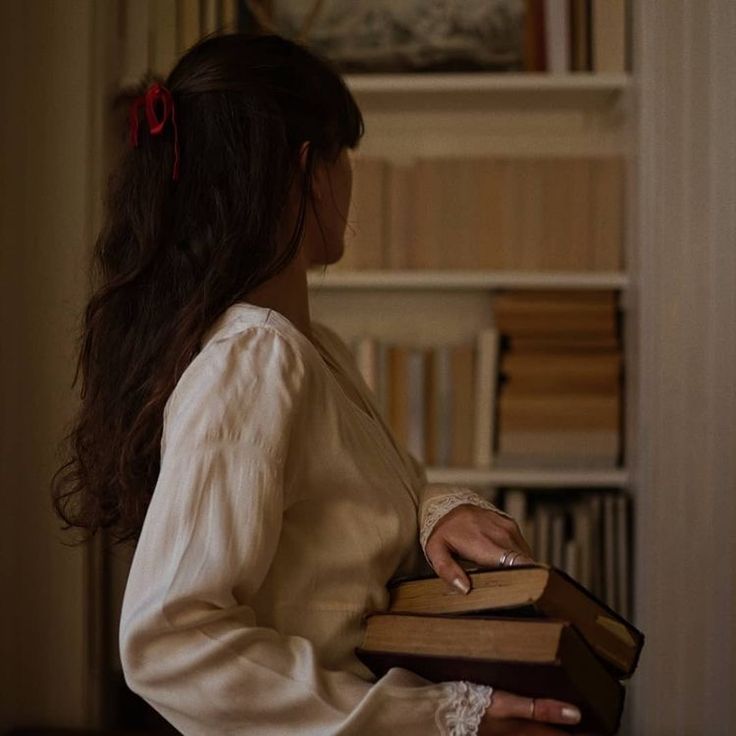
pixel 461 712
pixel 436 508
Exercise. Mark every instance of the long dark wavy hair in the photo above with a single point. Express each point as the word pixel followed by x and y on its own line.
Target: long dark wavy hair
pixel 173 255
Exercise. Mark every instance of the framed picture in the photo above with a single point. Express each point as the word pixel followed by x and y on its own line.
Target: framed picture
pixel 399 35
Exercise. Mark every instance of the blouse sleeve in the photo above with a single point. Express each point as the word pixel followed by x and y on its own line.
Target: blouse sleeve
pixel 190 643
pixel 438 499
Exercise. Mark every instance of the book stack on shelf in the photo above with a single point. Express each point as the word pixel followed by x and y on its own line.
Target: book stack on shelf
pixel 560 378
pixel 532 630
pixel 555 394
pixel 542 213
pixel 586 533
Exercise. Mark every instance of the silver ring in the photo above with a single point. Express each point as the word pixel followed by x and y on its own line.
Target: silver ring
pixel 513 557
pixel 502 561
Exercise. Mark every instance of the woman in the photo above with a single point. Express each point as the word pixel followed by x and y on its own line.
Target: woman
pixel 233 440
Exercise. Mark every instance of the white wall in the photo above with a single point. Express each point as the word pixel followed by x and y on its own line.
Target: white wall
pixel 45 119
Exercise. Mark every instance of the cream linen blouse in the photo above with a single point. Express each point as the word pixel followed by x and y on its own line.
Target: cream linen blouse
pixel 283 507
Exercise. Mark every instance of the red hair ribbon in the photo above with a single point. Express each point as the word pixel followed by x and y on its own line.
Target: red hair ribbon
pixel 155 93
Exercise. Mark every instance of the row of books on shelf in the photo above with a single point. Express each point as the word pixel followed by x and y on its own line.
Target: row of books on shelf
pixel 541 213
pixel 586 533
pixel 542 387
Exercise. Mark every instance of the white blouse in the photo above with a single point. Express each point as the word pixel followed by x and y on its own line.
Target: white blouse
pixel 283 507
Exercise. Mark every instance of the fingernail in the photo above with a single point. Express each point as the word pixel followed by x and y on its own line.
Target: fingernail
pixel 464 588
pixel 570 714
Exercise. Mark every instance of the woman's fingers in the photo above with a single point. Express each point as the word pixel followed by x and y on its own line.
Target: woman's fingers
pixel 508 705
pixel 445 566
pixel 482 551
pixel 480 535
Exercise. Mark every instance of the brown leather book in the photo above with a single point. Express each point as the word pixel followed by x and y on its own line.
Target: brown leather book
pixel 529 590
pixel 534 658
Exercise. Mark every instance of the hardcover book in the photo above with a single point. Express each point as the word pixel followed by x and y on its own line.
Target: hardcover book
pixel 534 658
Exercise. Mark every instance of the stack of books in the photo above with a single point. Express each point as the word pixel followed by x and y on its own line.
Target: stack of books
pixel 560 378
pixel 531 630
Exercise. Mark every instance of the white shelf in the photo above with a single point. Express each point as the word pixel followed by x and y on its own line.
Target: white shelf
pixel 543 478
pixel 467 280
pixel 486 82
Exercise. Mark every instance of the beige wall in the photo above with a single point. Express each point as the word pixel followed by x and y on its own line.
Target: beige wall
pixel 684 300
pixel 45 83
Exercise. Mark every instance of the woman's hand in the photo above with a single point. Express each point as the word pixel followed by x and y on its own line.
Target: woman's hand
pixel 515 715
pixel 476 534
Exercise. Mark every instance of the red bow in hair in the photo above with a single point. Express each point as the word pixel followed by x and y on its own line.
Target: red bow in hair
pixel 155 93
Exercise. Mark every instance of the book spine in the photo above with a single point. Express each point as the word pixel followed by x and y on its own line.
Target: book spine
pixel 431 415
pixel 398 392
pixel 463 404
pixel 557 35
pixel 416 407
pixel 580 25
pixel 608 24
pixel 515 504
pixel 609 551
pixel 485 393
pixel 534 54
pixel 445 400
pixel 622 547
